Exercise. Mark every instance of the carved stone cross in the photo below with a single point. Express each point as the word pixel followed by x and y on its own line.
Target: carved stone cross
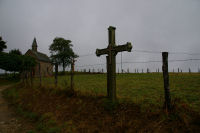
pixel 112 51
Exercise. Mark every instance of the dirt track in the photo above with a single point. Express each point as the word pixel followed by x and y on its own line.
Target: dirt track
pixel 9 123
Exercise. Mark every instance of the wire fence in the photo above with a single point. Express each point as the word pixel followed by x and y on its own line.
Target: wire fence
pixel 98 67
pixel 147 51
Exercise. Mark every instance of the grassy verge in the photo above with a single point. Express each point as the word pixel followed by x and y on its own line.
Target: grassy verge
pixel 53 110
pixel 4 82
pixel 9 79
pixel 143 89
pixel 43 123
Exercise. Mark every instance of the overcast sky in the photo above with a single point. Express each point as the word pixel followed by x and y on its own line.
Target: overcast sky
pixel 154 25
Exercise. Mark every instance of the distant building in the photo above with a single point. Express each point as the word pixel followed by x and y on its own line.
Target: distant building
pixel 43 62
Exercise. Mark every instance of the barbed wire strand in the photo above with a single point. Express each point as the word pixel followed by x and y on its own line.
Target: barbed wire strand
pixel 86 55
pixel 183 60
pixel 147 51
pixel 92 65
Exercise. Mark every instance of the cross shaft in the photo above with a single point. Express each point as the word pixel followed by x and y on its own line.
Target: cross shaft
pixel 112 51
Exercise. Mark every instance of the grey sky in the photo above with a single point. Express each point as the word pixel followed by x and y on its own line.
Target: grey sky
pixel 157 25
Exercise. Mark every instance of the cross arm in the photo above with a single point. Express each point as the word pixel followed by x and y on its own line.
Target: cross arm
pixel 125 47
pixel 100 52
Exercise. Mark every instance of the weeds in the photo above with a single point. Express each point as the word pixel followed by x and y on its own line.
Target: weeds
pixel 109 105
pixel 60 111
pixel 31 131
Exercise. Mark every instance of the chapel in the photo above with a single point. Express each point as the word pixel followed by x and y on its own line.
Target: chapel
pixel 43 65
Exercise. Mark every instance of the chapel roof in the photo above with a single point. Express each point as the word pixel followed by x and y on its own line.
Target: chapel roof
pixel 40 56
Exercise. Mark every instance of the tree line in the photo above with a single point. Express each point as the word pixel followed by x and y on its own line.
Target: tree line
pixel 14 61
pixel 61 51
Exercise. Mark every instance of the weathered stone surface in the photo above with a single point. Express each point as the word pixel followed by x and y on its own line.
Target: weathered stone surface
pixel 112 51
pixel 42 60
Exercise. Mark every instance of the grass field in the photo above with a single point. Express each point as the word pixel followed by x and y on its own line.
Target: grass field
pixel 144 89
pixel 141 98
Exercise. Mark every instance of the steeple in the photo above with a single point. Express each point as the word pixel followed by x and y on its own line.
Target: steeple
pixel 34 45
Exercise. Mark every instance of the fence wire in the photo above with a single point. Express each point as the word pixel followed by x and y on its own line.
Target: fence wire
pixel 103 65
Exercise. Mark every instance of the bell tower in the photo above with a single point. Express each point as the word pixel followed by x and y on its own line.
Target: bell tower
pixel 34 45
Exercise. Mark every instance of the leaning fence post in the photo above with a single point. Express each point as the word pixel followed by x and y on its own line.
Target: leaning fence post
pixel 72 75
pixel 167 103
pixel 31 76
pixel 56 74
pixel 40 75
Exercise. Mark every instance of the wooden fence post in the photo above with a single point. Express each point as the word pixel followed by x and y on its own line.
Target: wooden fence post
pixel 72 75
pixel 23 76
pixel 40 75
pixel 167 103
pixel 147 70
pixel 56 74
pixel 31 76
pixel 27 78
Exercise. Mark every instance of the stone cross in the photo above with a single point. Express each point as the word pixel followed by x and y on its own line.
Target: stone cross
pixel 112 51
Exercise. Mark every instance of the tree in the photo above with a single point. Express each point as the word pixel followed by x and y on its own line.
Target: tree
pixel 15 52
pixel 2 44
pixel 15 60
pixel 28 63
pixel 16 63
pixel 61 52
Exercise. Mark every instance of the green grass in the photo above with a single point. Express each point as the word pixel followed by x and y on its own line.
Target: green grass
pixel 144 89
pixel 4 82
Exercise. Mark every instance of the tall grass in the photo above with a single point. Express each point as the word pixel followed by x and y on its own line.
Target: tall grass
pixel 144 89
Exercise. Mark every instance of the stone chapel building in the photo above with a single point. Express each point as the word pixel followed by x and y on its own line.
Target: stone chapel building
pixel 43 65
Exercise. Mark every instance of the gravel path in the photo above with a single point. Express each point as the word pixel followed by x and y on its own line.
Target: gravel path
pixel 8 121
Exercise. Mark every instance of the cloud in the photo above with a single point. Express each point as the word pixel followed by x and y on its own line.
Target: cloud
pixel 158 25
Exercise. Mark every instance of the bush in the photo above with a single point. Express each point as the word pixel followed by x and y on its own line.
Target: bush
pixel 31 131
pixel 109 105
pixel 11 94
